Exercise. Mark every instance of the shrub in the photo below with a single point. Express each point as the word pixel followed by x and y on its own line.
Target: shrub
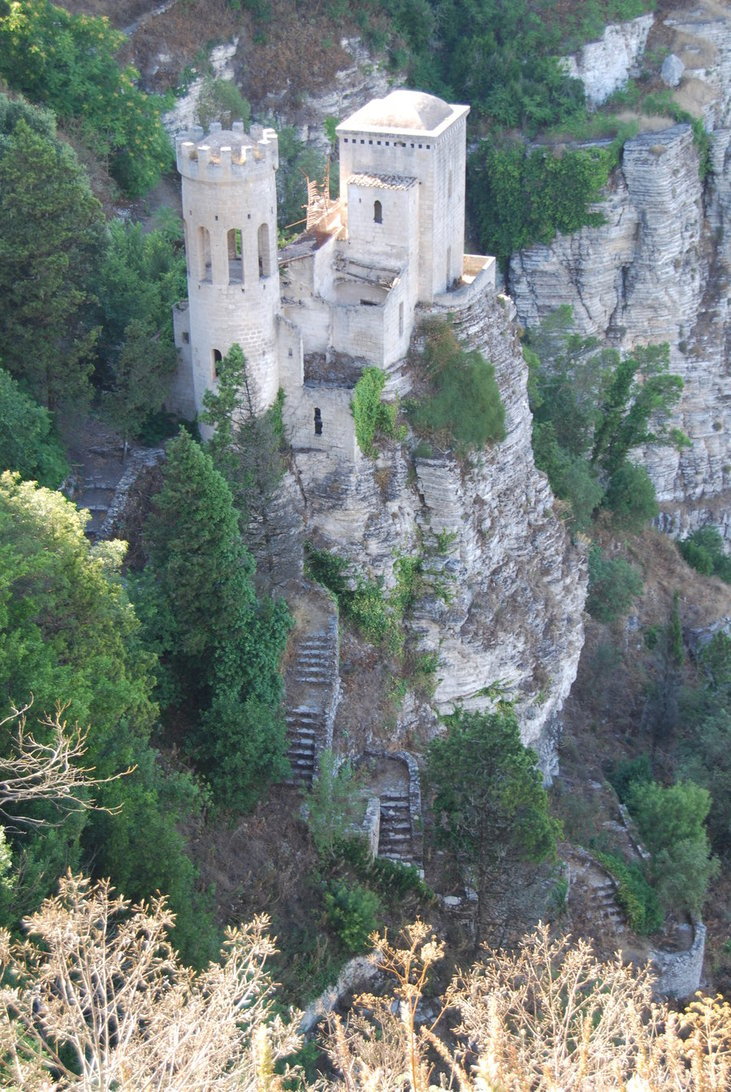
pixel 373 418
pixel 613 584
pixel 704 552
pixel 352 913
pixel 631 497
pixel 626 772
pixel 28 443
pixel 462 406
pixel 634 894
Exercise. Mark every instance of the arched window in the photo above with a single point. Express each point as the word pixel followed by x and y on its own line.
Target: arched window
pixel 217 358
pixel 204 254
pixel 235 263
pixel 377 212
pixel 265 257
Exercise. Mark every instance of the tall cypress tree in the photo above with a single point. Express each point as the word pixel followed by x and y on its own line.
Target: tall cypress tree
pixel 222 646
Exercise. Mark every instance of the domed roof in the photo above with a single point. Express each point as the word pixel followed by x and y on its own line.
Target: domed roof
pixel 402 110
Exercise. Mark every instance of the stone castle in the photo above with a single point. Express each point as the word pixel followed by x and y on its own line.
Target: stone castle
pixel 345 294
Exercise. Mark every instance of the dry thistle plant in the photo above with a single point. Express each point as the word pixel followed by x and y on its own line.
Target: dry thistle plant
pixel 99 1000
pixel 381 1047
pixel 547 1018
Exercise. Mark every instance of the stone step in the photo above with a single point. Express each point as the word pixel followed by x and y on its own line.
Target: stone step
pixel 313 680
pixel 301 754
pixel 302 731
pixel 317 644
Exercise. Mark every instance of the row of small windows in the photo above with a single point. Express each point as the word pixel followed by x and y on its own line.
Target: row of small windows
pixel 235 254
pixel 387 143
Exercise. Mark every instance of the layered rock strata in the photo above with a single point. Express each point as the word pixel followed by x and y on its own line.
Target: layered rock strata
pixel 657 270
pixel 505 587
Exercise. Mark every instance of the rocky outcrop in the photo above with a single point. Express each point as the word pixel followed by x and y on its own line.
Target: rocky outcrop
pixel 505 586
pixel 658 268
pixel 605 66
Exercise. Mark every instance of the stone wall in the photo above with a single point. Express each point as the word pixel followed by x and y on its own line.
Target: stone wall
pixel 679 973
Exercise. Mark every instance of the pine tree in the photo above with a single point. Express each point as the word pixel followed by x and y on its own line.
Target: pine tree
pixel 51 240
pixel 222 647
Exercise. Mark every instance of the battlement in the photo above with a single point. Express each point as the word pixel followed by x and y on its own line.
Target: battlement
pixel 226 153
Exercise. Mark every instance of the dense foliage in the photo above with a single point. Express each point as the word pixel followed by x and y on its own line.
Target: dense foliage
pixel 246 446
pixel 68 63
pixel 28 443
pixel 373 418
pixel 704 551
pixel 520 195
pixel 142 276
pixel 591 408
pixel 220 646
pixel 70 636
pixel 490 807
pixel 460 405
pixel 51 240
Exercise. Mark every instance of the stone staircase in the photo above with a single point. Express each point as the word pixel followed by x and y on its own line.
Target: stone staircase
pixel 96 495
pixel 395 838
pixel 304 727
pixel 312 682
pixel 602 898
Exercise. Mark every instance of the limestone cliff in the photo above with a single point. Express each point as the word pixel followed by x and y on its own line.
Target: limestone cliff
pixel 509 608
pixel 658 269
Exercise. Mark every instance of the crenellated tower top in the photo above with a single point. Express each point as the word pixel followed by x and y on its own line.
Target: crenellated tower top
pixel 226 153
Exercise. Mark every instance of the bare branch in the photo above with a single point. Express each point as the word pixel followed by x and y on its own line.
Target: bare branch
pixel 37 770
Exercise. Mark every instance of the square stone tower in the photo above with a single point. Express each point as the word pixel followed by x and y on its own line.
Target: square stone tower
pixel 407 135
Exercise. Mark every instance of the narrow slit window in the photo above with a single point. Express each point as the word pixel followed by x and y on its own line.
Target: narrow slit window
pixel 204 254
pixel 235 263
pixel 217 358
pixel 265 260
pixel 318 421
pixel 377 212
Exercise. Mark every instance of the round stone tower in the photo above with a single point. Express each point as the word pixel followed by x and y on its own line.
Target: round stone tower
pixel 230 217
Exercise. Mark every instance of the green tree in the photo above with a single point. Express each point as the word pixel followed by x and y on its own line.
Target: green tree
pixel 591 407
pixel 70 635
pixel 636 406
pixel 68 62
pixel 671 821
pixel 28 443
pixel 522 196
pixel 142 276
pixel 141 377
pixel 334 804
pixel 51 241
pixel 631 497
pixel 220 646
pixel 489 804
pixel 246 445
pixel 613 584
